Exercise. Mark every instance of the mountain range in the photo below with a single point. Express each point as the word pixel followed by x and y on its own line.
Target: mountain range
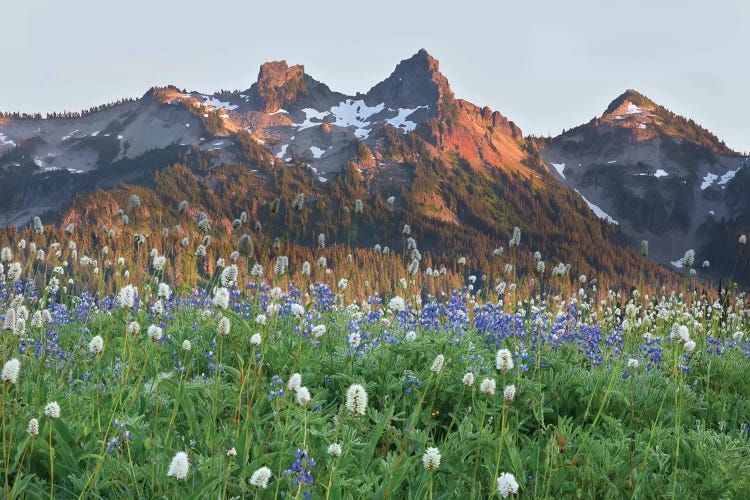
pixel 462 176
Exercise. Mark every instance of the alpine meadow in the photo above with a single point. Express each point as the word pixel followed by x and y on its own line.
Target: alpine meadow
pixel 287 291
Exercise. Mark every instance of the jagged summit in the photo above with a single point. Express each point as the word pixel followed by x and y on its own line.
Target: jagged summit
pixel 278 74
pixel 415 82
pixel 466 170
pixel 281 85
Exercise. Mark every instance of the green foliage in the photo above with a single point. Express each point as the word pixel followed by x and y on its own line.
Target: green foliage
pixel 574 429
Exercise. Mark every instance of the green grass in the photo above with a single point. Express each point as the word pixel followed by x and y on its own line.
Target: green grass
pixel 573 430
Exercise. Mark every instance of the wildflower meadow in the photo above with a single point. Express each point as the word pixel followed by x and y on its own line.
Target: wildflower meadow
pixel 298 379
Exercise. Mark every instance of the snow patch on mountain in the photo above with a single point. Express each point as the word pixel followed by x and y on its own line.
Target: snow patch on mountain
pixel 281 153
pixel 65 138
pixel 310 115
pixel 560 167
pixel 351 113
pixel 633 109
pixel 356 113
pixel 708 179
pixel 69 170
pixel 212 101
pixel 400 120
pixel 728 176
pixel 597 210
pixel 317 152
pixel 4 141
pixel 661 173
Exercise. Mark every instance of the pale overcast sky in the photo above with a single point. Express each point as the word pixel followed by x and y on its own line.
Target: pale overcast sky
pixel 547 65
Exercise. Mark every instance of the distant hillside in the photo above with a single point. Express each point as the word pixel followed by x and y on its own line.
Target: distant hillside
pixel 659 176
pixel 460 175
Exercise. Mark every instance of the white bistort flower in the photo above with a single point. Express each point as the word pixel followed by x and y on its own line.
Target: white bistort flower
pixel 303 396
pixel 10 370
pixel 155 333
pixel 354 339
pixel 334 449
pixel 224 326
pixel 186 345
pixel 229 276
pixel 257 271
pixel 509 393
pixel 134 328
pixel 318 331
pixel 438 364
pixel 255 340
pixel 126 297
pixel 221 298
pixel 679 333
pixel 96 345
pixel 261 477
pixel 468 379
pixel 431 459
pixel 507 484
pixel 33 428
pixel 516 238
pixel 397 304
pixel 164 291
pixel 295 382
pixel 356 399
pixel 179 466
pixel 488 386
pixel 52 410
pixel 689 346
pixel 504 360
pixel 160 262
pixel 297 310
pixel 689 258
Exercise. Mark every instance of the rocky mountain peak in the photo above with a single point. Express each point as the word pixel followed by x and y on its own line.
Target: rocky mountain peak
pixel 415 82
pixel 632 97
pixel 276 73
pixel 278 85
pixel 647 119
